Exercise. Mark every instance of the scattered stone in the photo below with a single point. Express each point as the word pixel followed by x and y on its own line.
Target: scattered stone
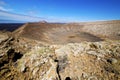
pixel 112 60
pixel 73 61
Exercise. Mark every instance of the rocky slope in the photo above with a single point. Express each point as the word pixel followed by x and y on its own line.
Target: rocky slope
pixel 78 61
pixel 72 61
pixel 87 57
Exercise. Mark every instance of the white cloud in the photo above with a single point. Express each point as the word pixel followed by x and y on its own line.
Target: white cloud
pixel 10 16
pixel 5 9
pixel 3 6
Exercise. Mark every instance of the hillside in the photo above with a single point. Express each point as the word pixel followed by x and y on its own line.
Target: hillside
pixel 53 33
pixel 54 51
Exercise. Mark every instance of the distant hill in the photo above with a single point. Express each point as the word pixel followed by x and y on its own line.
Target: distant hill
pixel 70 32
pixel 10 21
pixel 10 26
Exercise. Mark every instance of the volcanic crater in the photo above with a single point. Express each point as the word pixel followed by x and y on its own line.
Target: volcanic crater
pixel 61 33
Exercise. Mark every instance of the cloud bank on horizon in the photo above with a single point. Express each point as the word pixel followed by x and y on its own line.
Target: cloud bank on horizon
pixel 15 18
pixel 6 15
pixel 10 16
pixel 59 10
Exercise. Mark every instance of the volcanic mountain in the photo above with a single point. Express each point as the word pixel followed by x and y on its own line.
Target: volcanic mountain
pixel 61 51
pixel 60 33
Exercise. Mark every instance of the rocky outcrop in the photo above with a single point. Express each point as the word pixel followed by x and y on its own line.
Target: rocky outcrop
pixel 73 61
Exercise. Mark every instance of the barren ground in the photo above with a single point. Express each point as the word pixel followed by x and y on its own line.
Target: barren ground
pixel 52 51
pixel 53 33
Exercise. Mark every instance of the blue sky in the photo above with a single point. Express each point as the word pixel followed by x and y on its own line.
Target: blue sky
pixel 60 10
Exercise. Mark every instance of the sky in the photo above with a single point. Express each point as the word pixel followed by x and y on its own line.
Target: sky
pixel 59 10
